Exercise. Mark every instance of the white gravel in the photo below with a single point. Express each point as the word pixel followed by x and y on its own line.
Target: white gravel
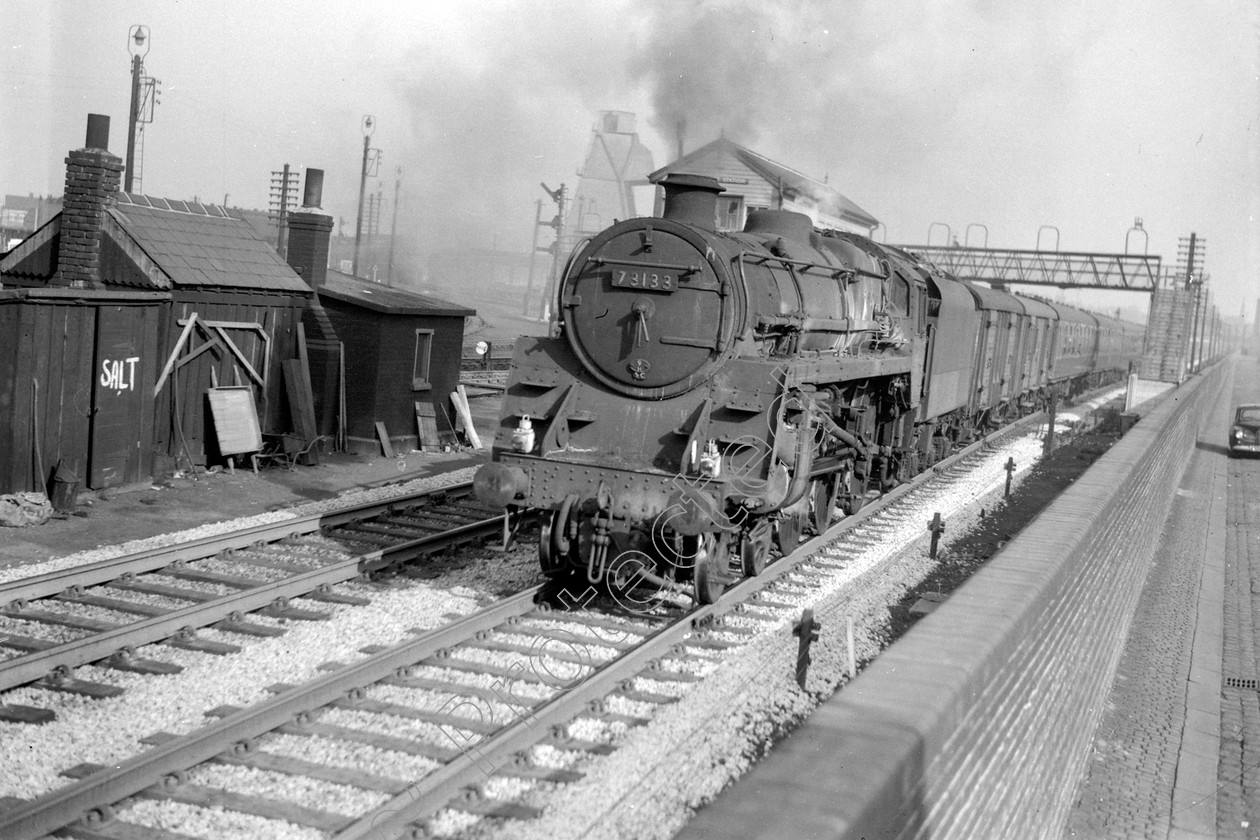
pixel 213 822
pixel 107 552
pixel 107 731
pixel 647 788
pixel 692 748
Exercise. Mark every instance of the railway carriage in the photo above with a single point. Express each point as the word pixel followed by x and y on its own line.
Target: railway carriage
pixel 994 373
pixel 1075 344
pixel 705 395
pixel 1035 350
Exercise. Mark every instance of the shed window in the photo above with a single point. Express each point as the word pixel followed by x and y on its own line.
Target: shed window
pixel 730 212
pixel 420 367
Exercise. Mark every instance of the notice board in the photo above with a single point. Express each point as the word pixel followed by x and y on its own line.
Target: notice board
pixel 235 419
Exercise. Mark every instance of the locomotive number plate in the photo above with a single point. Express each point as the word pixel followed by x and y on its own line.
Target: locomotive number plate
pixel 648 279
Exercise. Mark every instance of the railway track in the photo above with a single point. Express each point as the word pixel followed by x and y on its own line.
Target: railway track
pixel 471 701
pixel 101 613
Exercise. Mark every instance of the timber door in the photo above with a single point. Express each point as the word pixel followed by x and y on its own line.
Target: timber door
pixel 120 450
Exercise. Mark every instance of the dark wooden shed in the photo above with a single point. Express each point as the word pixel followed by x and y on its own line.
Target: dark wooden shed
pixel 234 314
pixel 116 318
pixel 401 348
pixel 74 372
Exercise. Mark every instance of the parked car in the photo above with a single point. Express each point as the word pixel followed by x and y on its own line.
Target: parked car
pixel 1244 434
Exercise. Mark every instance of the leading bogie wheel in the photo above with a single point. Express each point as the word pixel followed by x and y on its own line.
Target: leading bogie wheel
pixel 826 490
pixel 707 571
pixel 754 551
pixel 788 532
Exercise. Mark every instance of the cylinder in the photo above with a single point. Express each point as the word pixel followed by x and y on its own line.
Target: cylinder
pixel 314 192
pixel 97 132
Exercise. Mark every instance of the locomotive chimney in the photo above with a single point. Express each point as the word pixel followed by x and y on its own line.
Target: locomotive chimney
pixel 691 199
pixel 310 230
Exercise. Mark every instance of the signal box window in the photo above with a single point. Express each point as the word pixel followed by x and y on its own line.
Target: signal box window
pixel 730 212
pixel 420 366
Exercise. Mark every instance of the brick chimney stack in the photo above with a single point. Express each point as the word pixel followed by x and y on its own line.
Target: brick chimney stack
pixel 93 176
pixel 310 230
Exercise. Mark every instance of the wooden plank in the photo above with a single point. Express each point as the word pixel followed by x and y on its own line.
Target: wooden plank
pixel 460 399
pixel 301 402
pixel 367 737
pixel 12 458
pixel 52 413
pixel 179 345
pixel 150 319
pixel 426 427
pixel 19 414
pixel 383 437
pixel 208 345
pixel 311 456
pixel 301 346
pixel 117 829
pixel 235 420
pixel 208 797
pixel 18 713
pixel 240 356
pixel 341 396
pixel 276 763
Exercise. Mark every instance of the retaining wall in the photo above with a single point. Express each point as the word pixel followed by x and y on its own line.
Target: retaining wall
pixel 1015 668
pixel 978 723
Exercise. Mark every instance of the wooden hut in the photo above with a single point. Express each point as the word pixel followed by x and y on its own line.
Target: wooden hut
pixel 116 318
pixel 378 354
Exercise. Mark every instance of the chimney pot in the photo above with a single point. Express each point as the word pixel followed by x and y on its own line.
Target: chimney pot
pixel 310 232
pixel 314 193
pixel 97 132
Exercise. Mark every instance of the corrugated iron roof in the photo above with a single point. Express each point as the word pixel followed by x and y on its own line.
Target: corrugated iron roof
pixel 387 299
pixel 829 198
pixel 203 245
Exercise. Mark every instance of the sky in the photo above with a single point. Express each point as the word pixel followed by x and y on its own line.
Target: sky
pixel 1014 116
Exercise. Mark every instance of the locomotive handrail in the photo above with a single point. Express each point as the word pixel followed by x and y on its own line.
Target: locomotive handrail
pixel 836 273
pixel 685 269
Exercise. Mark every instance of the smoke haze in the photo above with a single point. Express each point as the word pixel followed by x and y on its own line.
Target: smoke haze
pixel 1071 119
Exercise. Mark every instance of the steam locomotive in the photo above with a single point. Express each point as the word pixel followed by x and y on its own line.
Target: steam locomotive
pixel 707 394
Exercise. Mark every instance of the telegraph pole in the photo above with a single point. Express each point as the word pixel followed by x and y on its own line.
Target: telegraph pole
pixel 369 125
pixel 283 199
pixel 138 46
pixel 1191 250
pixel 533 249
pixel 393 227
